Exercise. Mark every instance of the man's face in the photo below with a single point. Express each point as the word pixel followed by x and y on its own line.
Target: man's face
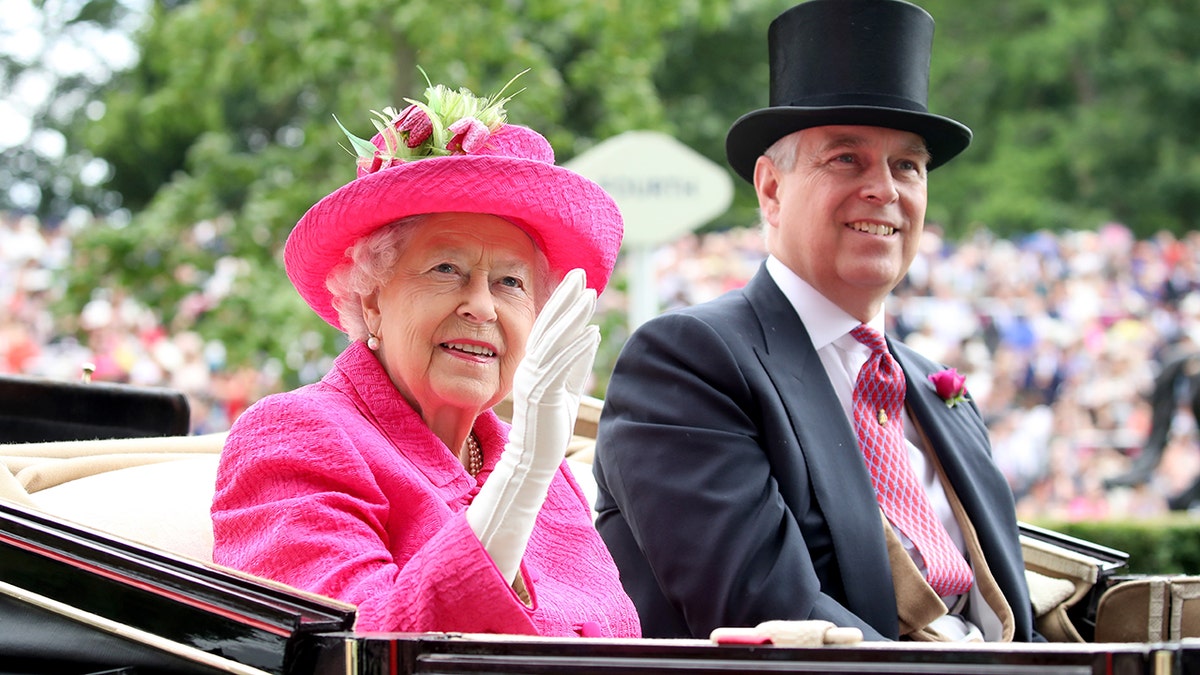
pixel 847 216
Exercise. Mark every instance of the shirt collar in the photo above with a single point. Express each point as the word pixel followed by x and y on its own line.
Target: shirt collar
pixel 825 321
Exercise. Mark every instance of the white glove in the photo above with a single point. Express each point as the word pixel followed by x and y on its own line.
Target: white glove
pixel 546 391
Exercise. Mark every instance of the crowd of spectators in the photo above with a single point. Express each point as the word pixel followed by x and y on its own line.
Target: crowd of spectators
pixel 120 338
pixel 1060 336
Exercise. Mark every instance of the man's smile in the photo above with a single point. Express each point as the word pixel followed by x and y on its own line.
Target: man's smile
pixel 872 228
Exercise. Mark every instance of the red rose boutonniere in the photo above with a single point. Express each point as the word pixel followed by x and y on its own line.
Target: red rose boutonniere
pixel 951 386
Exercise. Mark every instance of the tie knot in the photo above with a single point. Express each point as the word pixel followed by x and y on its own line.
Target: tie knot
pixel 870 338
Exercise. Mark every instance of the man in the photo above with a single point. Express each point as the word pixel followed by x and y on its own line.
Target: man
pixel 733 486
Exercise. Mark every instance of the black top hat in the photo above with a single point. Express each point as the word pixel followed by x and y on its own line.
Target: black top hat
pixel 859 62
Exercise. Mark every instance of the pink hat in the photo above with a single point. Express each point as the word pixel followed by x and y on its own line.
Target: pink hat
pixel 456 154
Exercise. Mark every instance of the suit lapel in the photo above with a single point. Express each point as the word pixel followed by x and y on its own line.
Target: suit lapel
pixel 957 437
pixel 840 483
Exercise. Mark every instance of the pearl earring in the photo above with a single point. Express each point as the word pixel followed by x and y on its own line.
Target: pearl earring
pixel 372 342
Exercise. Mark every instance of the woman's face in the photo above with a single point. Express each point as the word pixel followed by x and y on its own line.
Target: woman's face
pixel 454 319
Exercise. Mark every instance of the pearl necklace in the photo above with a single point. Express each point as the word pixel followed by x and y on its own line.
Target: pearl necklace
pixel 474 455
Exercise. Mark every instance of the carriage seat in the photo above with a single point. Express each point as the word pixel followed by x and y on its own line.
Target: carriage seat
pixel 154 491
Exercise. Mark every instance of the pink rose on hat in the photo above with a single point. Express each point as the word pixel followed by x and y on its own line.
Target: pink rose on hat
pixel 455 152
pixel 448 122
pixel 950 385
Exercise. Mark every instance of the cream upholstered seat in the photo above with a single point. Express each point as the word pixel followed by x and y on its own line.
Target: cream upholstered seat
pixel 153 491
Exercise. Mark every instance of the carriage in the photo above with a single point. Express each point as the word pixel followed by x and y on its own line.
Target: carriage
pixel 105 567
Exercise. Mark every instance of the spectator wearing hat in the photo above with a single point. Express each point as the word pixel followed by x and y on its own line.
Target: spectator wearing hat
pixel 770 454
pixel 463 265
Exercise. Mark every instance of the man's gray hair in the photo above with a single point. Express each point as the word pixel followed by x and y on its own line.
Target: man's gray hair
pixel 782 154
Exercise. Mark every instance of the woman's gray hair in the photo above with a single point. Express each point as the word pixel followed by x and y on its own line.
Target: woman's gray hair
pixel 372 263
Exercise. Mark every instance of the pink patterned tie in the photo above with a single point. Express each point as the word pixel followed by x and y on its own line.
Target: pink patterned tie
pixel 878 399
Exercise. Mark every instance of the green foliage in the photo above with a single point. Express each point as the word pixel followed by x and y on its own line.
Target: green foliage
pixel 1166 546
pixel 50 91
pixel 1083 111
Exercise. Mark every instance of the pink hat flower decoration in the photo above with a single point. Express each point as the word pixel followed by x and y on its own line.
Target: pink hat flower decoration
pixel 448 122
pixel 950 385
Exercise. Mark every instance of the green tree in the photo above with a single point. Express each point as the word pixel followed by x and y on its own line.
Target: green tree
pixel 1083 110
pixel 222 135
pixel 53 62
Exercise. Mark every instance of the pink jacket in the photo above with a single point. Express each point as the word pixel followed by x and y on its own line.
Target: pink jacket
pixel 339 488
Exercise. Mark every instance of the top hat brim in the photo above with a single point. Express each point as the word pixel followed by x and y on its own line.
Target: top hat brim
pixel 751 135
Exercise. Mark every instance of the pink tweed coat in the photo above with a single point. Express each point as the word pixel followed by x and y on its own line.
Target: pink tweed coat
pixel 339 488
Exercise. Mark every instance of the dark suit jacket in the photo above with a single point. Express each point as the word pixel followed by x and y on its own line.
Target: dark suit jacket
pixel 731 487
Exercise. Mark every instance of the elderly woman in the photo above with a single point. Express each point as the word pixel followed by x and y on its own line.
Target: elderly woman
pixel 462 265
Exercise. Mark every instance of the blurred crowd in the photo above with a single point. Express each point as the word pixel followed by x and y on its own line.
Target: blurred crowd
pixel 121 338
pixel 1060 337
